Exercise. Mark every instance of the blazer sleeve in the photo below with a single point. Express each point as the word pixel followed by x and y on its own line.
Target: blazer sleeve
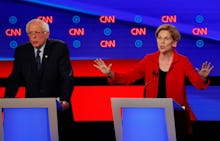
pixel 136 72
pixel 66 73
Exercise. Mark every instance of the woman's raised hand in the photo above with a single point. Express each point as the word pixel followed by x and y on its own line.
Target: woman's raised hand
pixel 205 70
pixel 100 64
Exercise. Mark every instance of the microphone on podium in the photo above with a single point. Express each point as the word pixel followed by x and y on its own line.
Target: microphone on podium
pixel 154 74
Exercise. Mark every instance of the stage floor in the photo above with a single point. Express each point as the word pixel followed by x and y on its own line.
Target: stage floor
pixel 104 131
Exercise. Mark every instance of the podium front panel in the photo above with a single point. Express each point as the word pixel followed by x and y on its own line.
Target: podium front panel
pixel 25 119
pixel 144 119
pixel 144 124
pixel 26 124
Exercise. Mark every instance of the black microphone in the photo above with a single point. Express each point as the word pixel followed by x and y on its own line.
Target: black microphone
pixel 154 74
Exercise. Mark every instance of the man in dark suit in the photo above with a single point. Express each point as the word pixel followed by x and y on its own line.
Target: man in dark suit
pixel 43 67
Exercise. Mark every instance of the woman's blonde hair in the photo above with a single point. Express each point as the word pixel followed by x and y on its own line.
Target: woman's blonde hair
pixel 172 29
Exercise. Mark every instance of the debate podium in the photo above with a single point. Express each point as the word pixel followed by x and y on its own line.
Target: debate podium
pixel 144 119
pixel 28 119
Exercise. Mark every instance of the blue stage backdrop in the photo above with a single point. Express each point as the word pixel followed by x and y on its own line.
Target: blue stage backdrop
pixel 116 29
pixel 121 30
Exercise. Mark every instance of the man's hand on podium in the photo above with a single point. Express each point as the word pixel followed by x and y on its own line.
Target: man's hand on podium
pixel 64 104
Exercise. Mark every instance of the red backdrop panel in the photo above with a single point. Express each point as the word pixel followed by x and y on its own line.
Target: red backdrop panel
pixel 82 68
pixel 93 103
pixel 90 103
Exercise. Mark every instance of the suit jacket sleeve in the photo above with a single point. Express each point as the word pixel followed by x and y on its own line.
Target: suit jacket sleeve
pixel 66 72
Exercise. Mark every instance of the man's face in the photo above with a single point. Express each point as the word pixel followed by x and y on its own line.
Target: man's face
pixel 37 36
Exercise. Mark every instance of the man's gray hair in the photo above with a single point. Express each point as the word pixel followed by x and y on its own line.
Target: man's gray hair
pixel 45 26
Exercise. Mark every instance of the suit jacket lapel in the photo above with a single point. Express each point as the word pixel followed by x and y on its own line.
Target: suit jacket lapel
pixel 46 56
pixel 31 66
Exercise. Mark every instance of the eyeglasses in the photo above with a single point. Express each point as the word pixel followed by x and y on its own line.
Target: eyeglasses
pixel 37 33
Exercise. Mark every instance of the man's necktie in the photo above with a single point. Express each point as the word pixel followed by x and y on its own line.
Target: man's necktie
pixel 38 60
